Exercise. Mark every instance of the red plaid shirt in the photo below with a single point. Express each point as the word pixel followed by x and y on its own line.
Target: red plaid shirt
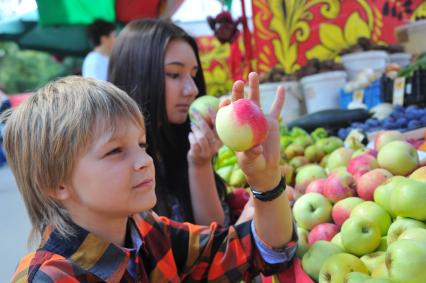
pixel 171 252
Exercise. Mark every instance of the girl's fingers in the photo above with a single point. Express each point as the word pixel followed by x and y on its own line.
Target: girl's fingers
pixel 237 90
pixel 253 80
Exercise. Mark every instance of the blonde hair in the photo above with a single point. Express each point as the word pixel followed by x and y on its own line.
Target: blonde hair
pixel 45 134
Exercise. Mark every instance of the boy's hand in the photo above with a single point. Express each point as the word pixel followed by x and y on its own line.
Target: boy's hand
pixel 261 162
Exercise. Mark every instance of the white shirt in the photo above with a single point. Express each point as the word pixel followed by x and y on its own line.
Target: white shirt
pixel 95 65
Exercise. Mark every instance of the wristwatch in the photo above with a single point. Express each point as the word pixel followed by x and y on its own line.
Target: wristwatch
pixel 271 194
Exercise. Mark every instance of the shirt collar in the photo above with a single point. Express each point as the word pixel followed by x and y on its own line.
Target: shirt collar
pixel 93 253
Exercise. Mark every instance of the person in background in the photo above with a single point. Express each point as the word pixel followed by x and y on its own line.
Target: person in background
pixel 4 105
pixel 78 151
pixel 102 34
pixel 158 64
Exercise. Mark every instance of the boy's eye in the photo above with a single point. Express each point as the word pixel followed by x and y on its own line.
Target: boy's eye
pixel 172 75
pixel 114 151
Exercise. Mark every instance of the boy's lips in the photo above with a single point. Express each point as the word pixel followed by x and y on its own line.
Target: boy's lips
pixel 145 183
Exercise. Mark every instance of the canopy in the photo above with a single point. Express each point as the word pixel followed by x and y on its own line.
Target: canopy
pixel 59 26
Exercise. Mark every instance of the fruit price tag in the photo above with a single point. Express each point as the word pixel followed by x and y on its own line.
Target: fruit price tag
pixel 398 91
pixel 358 96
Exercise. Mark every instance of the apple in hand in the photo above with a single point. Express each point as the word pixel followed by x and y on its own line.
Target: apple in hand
pixel 241 125
pixel 409 199
pixel 398 157
pixel 339 157
pixel 311 209
pixel 418 234
pixel 337 266
pixel 362 164
pixel 323 231
pixel 386 137
pixel 316 186
pixel 360 236
pixel 400 225
pixel 419 174
pixel 339 186
pixel 406 261
pixel 342 209
pixel 373 260
pixel 316 255
pixel 202 104
pixel 367 183
pixel 374 212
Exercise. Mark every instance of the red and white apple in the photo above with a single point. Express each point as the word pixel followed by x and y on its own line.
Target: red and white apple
pixel 362 164
pixel 339 157
pixel 307 174
pixel 241 125
pixel 367 183
pixel 342 209
pixel 316 186
pixel 323 231
pixel 386 137
pixel 339 186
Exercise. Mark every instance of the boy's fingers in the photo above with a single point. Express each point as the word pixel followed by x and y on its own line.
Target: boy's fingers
pixel 253 79
pixel 278 103
pixel 237 90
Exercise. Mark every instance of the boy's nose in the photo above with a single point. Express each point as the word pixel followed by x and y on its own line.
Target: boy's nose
pixel 143 160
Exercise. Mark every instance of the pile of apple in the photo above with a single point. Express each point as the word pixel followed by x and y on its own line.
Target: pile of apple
pixel 361 218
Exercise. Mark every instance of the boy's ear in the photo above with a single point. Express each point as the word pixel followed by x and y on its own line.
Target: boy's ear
pixel 62 192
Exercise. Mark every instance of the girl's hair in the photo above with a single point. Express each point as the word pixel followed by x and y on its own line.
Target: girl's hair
pixel 137 66
pixel 46 134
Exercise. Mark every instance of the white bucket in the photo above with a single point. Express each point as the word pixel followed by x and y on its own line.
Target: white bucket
pixel 402 59
pixel 322 90
pixel 356 62
pixel 412 36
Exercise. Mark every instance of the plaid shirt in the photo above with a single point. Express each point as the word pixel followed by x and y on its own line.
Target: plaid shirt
pixel 171 252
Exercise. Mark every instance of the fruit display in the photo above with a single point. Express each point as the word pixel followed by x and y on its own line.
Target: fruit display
pixel 401 119
pixel 364 221
pixel 365 44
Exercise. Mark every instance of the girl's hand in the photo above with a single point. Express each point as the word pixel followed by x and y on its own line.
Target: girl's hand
pixel 203 139
pixel 261 162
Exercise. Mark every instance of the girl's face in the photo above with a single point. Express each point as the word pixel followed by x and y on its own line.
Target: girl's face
pixel 180 65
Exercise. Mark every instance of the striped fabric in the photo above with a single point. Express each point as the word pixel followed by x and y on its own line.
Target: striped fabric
pixel 171 252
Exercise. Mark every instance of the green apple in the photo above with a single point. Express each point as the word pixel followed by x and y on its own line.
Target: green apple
pixel 383 246
pixel 342 209
pixel 398 157
pixel 316 255
pixel 302 242
pixel 377 280
pixel 373 260
pixel 400 225
pixel 329 144
pixel 380 271
pixel 308 173
pixel 356 277
pixel 386 137
pixel 418 234
pixel 313 153
pixel 419 174
pixel 237 178
pixel 311 209
pixel 304 141
pixel 383 193
pixel 374 212
pixel 298 162
pixel 202 104
pixel 360 235
pixel 406 261
pixel 293 150
pixel 339 157
pixel 409 199
pixel 336 267
pixel 241 125
pixel 337 240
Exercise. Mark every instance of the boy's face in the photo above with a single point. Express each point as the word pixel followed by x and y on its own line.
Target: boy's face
pixel 113 178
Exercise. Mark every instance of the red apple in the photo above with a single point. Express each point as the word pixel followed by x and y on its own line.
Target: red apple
pixel 343 208
pixel 241 125
pixel 362 164
pixel 339 186
pixel 316 186
pixel 323 231
pixel 367 183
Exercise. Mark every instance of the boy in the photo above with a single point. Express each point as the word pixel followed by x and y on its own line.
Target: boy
pixel 102 35
pixel 77 149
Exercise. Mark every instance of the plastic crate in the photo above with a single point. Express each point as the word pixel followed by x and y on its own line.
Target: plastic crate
pixel 414 91
pixel 372 96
